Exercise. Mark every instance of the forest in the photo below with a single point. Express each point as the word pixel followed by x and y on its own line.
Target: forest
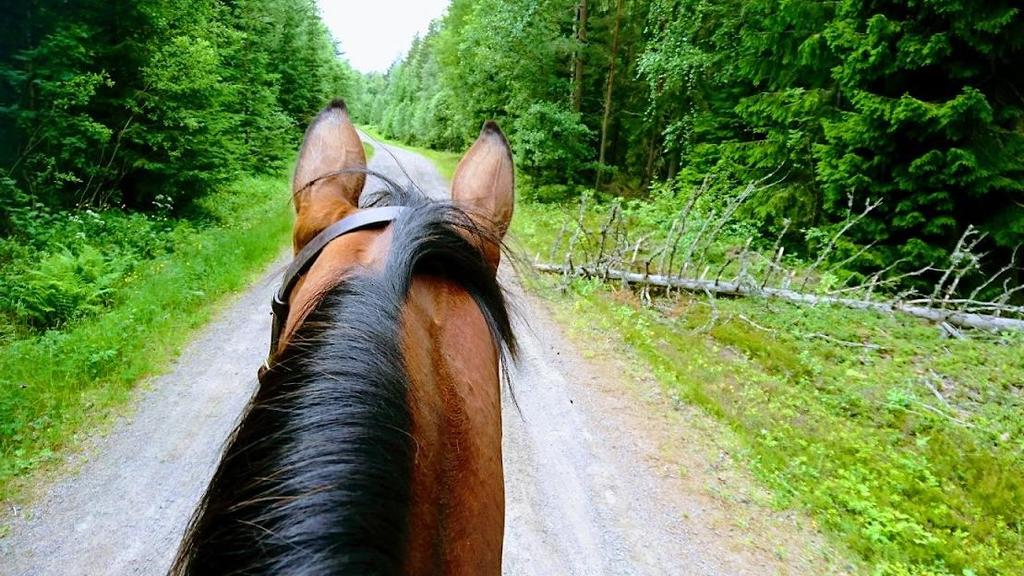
pixel 671 155
pixel 145 107
pixel 115 112
pixel 918 105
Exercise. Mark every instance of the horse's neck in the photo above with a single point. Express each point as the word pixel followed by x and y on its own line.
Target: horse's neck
pixel 457 513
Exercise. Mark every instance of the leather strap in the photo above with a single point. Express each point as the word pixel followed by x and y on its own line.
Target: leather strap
pixel 361 220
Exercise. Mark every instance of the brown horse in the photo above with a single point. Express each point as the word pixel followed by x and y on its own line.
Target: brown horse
pixel 373 443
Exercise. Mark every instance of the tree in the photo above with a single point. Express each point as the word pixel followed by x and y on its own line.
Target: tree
pixel 577 65
pixel 931 122
pixel 118 103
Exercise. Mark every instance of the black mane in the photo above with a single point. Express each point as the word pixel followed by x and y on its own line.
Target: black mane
pixel 315 479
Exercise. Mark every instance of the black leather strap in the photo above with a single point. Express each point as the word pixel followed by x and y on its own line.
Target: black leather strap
pixel 361 220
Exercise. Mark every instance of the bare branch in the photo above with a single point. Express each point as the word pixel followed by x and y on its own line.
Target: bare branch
pixel 956 318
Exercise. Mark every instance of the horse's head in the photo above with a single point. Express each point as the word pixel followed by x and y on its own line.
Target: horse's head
pixel 373 443
pixel 331 172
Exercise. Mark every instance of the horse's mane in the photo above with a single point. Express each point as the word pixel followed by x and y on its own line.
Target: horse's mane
pixel 316 477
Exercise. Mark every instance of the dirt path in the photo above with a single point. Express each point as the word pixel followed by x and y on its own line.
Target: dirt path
pixel 591 487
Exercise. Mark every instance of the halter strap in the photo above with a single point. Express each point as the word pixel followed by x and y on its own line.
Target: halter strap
pixel 361 220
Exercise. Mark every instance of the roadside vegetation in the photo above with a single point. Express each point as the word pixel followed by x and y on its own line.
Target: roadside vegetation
pixel 142 165
pixel 122 300
pixel 904 443
pixel 834 104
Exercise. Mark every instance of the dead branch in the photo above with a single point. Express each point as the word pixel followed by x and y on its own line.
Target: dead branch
pixel 683 216
pixel 956 318
pixel 1009 266
pixel 850 222
pixel 726 216
pixel 961 261
pixel 777 250
pixel 934 390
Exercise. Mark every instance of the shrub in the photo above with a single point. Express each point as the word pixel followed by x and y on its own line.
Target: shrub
pixel 551 143
pixel 60 287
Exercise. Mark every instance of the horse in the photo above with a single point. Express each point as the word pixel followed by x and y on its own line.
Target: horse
pixel 372 444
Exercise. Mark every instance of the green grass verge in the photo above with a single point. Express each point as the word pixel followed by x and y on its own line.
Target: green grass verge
pixel 443 160
pixel 57 385
pixel 369 150
pixel 907 447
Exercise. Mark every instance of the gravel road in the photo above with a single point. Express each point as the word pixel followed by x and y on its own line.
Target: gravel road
pixel 583 495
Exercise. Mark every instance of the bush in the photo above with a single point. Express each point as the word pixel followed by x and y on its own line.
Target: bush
pixel 529 191
pixel 60 286
pixel 552 143
pixel 59 266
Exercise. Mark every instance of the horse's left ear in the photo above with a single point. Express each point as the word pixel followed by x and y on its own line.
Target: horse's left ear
pixel 484 184
pixel 329 175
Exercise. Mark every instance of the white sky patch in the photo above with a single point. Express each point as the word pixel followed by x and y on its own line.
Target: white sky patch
pixel 375 33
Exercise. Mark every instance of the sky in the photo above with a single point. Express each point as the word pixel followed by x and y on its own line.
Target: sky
pixel 375 33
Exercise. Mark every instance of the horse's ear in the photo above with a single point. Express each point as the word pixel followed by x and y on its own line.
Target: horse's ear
pixel 329 174
pixel 484 184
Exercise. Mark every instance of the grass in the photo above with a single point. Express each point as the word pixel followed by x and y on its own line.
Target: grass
pixel 369 150
pixel 907 447
pixel 444 161
pixel 57 385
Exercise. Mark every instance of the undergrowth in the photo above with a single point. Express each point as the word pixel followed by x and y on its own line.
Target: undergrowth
pixel 907 446
pixel 97 300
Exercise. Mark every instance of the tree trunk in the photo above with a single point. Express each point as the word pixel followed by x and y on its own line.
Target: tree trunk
pixel 581 42
pixel 652 148
pixel 609 89
pixel 956 318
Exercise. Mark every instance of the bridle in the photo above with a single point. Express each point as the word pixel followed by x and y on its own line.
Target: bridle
pixel 361 220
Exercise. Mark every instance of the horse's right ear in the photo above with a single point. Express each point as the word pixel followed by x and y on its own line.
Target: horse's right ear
pixel 484 184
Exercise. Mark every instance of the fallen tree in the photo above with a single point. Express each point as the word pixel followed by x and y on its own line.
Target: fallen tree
pixel 956 318
pixel 697 256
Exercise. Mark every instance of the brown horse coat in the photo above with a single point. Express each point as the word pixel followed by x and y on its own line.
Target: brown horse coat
pixel 438 467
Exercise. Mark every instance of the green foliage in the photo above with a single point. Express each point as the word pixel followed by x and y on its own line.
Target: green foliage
pixel 910 104
pixel 190 145
pixel 912 483
pixel 65 265
pixel 470 68
pixel 114 105
pixel 550 142
pixel 928 122
pixel 121 125
pixel 904 443
pixel 54 383
pixel 60 287
pixel 916 104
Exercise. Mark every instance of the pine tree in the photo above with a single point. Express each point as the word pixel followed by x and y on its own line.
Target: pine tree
pixel 931 122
